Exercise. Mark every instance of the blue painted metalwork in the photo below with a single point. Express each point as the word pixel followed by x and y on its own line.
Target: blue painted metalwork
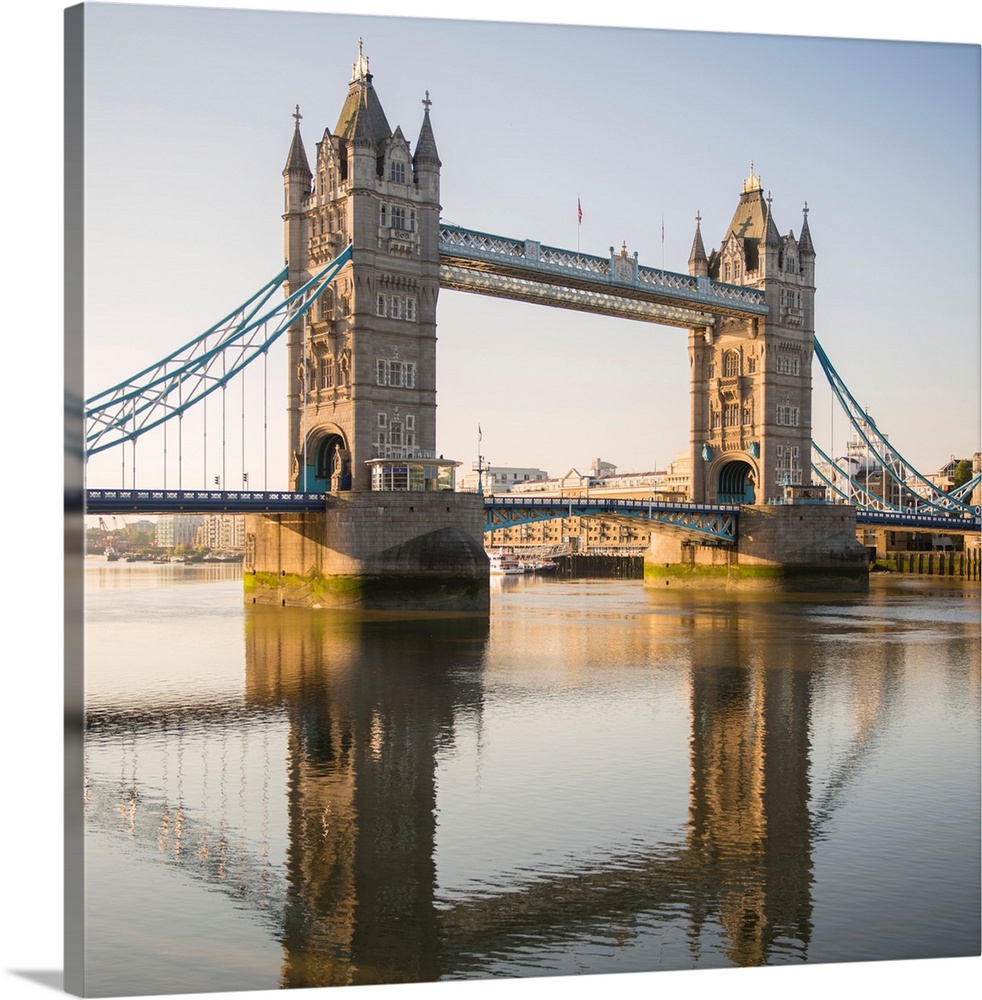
pixel 718 522
pixel 201 501
pixel 616 285
pixel 715 521
pixel 945 523
pixel 965 491
pixel 191 373
pixel 896 467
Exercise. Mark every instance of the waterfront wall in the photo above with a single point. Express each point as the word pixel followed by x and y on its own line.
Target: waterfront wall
pixel 408 551
pixel 961 565
pixel 787 547
pixel 600 567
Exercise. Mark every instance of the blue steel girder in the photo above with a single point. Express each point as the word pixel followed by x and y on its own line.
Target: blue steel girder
pixel 716 521
pixel 948 524
pixel 528 271
pixel 173 385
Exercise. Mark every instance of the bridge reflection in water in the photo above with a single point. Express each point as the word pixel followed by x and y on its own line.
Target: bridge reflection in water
pixel 364 708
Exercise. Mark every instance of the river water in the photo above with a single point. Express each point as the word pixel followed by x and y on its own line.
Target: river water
pixel 595 778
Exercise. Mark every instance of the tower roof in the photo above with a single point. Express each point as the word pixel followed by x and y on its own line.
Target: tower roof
pixel 771 236
pixel 751 219
pixel 296 161
pixel 805 245
pixel 426 144
pixel 362 118
pixel 698 253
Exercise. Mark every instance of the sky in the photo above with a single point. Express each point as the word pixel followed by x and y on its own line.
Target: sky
pixel 885 152
pixel 189 120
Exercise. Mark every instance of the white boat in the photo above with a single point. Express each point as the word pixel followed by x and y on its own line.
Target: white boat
pixel 505 564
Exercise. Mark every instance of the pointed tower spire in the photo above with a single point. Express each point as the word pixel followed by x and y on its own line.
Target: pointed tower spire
pixel 772 238
pixel 698 261
pixel 426 144
pixel 805 245
pixel 362 119
pixel 296 161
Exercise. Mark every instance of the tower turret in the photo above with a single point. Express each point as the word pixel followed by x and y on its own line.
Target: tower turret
pixel 698 261
pixel 296 196
pixel 296 191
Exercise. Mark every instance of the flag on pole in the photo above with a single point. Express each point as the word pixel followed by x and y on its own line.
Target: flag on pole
pixel 478 432
pixel 579 211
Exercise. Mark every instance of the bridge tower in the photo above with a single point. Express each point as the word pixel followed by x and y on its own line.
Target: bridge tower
pixel 750 379
pixel 362 364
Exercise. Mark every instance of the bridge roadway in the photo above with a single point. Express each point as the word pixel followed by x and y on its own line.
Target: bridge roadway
pixel 716 522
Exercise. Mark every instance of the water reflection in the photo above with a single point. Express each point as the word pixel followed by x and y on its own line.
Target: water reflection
pixel 370 702
pixel 310 794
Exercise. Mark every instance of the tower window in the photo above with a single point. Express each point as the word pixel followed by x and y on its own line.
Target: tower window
pixel 410 308
pixel 788 416
pixel 380 306
pixel 731 364
pixel 397 172
pixel 398 374
pixel 398 217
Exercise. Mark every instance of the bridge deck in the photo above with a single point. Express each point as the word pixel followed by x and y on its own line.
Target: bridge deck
pixel 717 521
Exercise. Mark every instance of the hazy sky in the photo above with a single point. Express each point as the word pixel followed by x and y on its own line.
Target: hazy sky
pixel 188 123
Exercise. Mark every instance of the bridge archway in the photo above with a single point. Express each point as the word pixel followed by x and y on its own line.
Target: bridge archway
pixel 328 463
pixel 735 482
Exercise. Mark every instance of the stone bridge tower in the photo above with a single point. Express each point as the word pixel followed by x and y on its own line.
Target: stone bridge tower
pixel 750 379
pixel 362 364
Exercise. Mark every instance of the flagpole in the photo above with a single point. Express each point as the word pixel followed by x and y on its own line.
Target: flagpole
pixel 579 222
pixel 480 463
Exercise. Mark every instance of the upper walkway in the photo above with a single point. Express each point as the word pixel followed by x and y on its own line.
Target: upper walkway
pixel 617 285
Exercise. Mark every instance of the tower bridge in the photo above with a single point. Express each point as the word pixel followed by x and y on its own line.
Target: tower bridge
pixel 367 254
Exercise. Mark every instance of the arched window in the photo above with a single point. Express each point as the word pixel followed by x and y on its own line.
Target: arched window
pixel 731 364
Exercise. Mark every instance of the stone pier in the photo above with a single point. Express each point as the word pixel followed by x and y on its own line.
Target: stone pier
pixel 781 547
pixel 412 551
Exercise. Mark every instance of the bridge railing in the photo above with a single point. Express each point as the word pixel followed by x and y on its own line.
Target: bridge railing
pixel 612 503
pixel 536 256
pixel 955 521
pixel 204 501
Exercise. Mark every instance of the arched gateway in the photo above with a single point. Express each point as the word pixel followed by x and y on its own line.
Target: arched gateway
pixel 735 483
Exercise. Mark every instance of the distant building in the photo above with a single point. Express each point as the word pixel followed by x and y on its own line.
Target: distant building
pixel 177 529
pixel 225 532
pixel 498 478
pixel 589 534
